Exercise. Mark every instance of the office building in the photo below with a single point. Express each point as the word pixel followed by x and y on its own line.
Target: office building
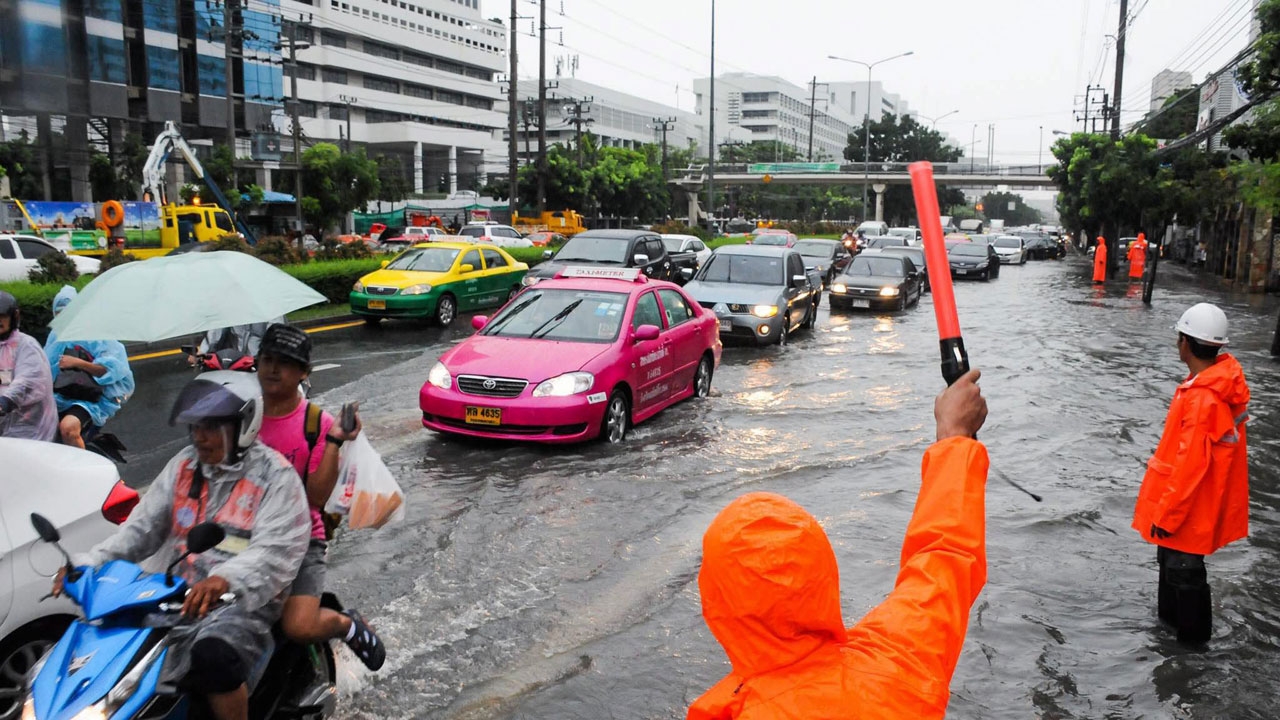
pixel 773 109
pixel 851 99
pixel 1166 84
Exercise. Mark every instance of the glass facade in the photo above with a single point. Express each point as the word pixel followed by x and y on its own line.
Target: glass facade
pixel 263 83
pixel 163 72
pixel 212 71
pixel 103 10
pixel 106 59
pixel 44 44
pixel 161 15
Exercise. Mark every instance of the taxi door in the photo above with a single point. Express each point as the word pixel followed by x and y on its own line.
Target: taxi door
pixel 470 284
pixel 494 283
pixel 682 333
pixel 651 361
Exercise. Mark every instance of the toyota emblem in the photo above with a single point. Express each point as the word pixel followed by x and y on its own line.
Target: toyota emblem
pixel 490 384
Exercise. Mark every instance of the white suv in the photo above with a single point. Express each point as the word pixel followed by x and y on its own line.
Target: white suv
pixel 20 253
pixel 500 235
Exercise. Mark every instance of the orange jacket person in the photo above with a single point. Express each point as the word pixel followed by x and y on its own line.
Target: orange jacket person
pixel 1195 494
pixel 1100 261
pixel 1138 257
pixel 771 595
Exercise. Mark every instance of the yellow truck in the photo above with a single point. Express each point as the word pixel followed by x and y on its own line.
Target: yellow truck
pixel 565 222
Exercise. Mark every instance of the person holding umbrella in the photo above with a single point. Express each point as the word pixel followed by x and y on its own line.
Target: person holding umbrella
pixel 27 409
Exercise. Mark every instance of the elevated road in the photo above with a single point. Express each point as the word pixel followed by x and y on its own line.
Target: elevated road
pixel 961 174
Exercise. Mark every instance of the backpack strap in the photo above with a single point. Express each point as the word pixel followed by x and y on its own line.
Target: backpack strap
pixel 311 431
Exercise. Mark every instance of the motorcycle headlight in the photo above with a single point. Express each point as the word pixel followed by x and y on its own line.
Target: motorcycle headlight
pixel 764 311
pixel 889 291
pixel 839 288
pixel 439 376
pixel 358 287
pixel 530 281
pixel 416 290
pixel 563 385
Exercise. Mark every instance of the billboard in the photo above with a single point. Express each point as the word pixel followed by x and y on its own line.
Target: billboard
pixel 78 226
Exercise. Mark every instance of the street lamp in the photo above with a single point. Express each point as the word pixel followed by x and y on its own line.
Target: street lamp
pixel 866 120
pixel 934 121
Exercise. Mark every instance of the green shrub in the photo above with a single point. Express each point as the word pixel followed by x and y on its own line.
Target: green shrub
pixel 333 278
pixel 235 243
pixel 530 255
pixel 675 227
pixel 53 267
pixel 115 256
pixel 721 242
pixel 278 251
pixel 331 249
pixel 35 301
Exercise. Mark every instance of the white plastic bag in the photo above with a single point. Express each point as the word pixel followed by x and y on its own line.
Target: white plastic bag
pixel 365 492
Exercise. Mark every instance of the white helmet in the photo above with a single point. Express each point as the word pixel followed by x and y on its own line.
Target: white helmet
pixel 1205 323
pixel 223 395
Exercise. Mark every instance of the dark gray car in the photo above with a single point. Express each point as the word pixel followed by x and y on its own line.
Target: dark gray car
pixel 759 293
pixel 877 281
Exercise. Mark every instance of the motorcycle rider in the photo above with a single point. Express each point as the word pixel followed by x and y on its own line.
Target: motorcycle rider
pixel 244 338
pixel 284 361
pixel 78 420
pixel 226 476
pixel 27 409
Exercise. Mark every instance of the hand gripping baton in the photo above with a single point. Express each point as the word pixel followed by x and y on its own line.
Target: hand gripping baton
pixel 955 359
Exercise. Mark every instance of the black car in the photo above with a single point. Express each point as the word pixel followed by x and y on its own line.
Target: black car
pixel 886 241
pixel 877 281
pixel 975 260
pixel 917 258
pixel 828 257
pixel 1040 246
pixel 608 248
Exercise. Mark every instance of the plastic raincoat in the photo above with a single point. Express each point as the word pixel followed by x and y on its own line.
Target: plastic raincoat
pixel 1138 257
pixel 259 569
pixel 771 596
pixel 26 390
pixel 1197 483
pixel 117 383
pixel 1100 261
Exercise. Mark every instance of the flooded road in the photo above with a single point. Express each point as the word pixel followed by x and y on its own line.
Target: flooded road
pixel 561 583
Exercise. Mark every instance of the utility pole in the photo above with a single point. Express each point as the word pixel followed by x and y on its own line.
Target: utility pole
pixel 664 124
pixel 348 101
pixel 228 35
pixel 577 120
pixel 711 147
pixel 513 162
pixel 813 106
pixel 527 117
pixel 542 108
pixel 297 128
pixel 1115 109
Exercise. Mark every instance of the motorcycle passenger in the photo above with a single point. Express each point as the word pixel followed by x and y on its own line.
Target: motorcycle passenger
pixel 27 409
pixel 226 476
pixel 109 379
pixel 284 361
pixel 244 338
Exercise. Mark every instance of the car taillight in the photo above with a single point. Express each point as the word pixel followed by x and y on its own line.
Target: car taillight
pixel 119 503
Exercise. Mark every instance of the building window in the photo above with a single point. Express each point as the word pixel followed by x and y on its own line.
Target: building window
pixel 162 68
pixel 479 102
pixel 305 72
pixel 755 97
pixel 338 112
pixel 333 39
pixel 263 83
pixel 380 116
pixel 106 59
pixel 212 75
pixel 418 91
pixel 330 75
pixel 104 9
pixel 448 96
pixel 377 83
pixel 307 108
pixel 161 16
pixel 418 59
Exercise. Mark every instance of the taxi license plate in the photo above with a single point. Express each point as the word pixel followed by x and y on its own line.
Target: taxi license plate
pixel 377 304
pixel 726 326
pixel 861 303
pixel 962 272
pixel 484 415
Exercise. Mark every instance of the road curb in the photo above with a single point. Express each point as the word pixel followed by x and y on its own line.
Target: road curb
pixel 171 346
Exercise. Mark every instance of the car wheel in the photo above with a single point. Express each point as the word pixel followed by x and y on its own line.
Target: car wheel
pixel 617 417
pixel 515 290
pixel 17 654
pixel 902 303
pixel 785 332
pixel 702 378
pixel 446 310
pixel 372 321
pixel 986 276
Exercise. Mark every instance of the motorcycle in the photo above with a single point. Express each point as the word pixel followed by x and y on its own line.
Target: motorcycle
pixel 108 663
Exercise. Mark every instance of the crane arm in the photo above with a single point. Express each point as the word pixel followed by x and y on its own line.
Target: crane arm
pixel 166 142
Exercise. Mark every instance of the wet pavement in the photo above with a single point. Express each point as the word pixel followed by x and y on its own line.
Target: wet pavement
pixel 534 582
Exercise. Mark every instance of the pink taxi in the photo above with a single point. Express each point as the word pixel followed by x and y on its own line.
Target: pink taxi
pixel 586 354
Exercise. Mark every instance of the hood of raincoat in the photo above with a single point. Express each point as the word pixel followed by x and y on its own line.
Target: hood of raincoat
pixel 63 298
pixel 1225 378
pixel 770 584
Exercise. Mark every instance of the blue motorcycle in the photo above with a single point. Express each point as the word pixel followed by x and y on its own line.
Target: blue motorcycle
pixel 108 663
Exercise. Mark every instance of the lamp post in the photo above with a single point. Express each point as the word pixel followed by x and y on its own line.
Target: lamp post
pixel 934 121
pixel 866 120
pixel 1040 152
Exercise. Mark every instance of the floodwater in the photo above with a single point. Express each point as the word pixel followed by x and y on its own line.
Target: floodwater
pixel 534 582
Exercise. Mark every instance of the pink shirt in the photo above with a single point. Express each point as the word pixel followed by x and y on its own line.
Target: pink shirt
pixel 286 434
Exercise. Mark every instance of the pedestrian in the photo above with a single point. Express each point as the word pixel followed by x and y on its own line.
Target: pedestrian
pixel 1138 257
pixel 96 379
pixel 1202 254
pixel 27 409
pixel 1195 494
pixel 770 591
pixel 1100 261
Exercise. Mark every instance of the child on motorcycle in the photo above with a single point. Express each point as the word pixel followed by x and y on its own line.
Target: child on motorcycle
pixel 284 361
pixel 84 409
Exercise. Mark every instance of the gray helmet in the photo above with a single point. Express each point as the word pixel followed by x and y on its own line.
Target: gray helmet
pixel 9 306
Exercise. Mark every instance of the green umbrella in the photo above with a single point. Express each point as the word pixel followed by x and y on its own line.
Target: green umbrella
pixel 180 295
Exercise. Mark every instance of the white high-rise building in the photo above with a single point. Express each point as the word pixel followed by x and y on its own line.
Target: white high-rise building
pixel 1166 84
pixel 771 108
pixel 851 97
pixel 415 79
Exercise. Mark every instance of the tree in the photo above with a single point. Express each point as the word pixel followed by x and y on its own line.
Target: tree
pixel 1261 75
pixel 1104 185
pixel 334 183
pixel 566 183
pixel 1175 118
pixel 394 186
pixel 900 139
pixel 995 205
pixel 1260 139
pixel 623 183
pixel 18 158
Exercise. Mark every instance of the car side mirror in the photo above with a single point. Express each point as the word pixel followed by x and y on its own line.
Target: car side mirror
pixel 479 321
pixel 686 273
pixel 547 254
pixel 385 263
pixel 799 280
pixel 645 333
pixel 640 259
pixel 44 528
pixel 466 268
pixel 204 537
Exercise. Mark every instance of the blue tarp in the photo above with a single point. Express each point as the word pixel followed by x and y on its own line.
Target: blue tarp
pixel 271 196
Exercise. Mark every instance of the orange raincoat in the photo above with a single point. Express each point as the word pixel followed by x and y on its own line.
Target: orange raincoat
pixel 1138 257
pixel 1197 483
pixel 771 596
pixel 1100 261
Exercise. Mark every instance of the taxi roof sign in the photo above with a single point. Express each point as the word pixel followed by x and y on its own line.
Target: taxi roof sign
pixel 603 273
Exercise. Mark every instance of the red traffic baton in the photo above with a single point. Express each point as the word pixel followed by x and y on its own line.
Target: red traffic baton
pixel 955 359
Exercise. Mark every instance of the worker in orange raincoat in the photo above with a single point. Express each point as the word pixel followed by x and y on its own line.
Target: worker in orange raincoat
pixel 771 595
pixel 1100 261
pixel 1137 257
pixel 1195 495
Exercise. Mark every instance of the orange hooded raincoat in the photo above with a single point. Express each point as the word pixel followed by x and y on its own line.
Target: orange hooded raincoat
pixel 1138 257
pixel 1197 483
pixel 1100 261
pixel 771 596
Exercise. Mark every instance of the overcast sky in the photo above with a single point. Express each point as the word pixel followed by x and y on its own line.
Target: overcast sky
pixel 1020 64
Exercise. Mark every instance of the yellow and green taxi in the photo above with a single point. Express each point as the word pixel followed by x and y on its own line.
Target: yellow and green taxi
pixel 437 281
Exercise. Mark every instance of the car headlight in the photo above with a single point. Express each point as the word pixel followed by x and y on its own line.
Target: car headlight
pixel 839 288
pixel 764 311
pixel 416 290
pixel 358 287
pixel 889 291
pixel 567 384
pixel 439 376
pixel 530 281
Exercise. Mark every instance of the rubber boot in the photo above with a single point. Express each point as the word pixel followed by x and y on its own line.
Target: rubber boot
pixel 1166 595
pixel 1195 612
